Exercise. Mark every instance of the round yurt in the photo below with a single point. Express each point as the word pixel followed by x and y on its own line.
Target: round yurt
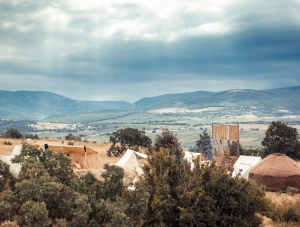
pixel 276 172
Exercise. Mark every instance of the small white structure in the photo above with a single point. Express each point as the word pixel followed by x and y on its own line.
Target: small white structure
pixel 191 156
pixel 129 162
pixel 16 150
pixel 245 163
pixel 14 167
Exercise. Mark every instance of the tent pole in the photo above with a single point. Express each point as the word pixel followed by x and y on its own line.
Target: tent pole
pixel 84 148
pixel 99 158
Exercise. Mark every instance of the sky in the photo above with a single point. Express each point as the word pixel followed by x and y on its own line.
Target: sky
pixel 127 50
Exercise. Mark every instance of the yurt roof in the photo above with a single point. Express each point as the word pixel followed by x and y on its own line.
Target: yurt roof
pixel 276 165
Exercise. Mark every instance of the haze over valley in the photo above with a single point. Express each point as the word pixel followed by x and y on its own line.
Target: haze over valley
pixel 188 114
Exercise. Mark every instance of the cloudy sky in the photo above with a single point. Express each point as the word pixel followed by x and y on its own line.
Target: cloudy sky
pixel 127 50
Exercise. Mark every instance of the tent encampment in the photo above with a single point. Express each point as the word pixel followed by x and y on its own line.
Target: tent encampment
pixel 14 167
pixel 276 172
pixel 129 162
pixel 86 157
pixel 244 164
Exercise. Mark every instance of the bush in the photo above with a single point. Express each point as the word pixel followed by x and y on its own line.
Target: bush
pixel 70 136
pixel 7 143
pixel 292 191
pixel 70 143
pixel 12 133
pixel 287 211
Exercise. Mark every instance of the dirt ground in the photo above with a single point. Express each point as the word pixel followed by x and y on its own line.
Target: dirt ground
pixel 100 148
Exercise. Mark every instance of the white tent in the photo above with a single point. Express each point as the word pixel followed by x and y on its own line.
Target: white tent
pixel 129 162
pixel 245 163
pixel 16 150
pixel 14 167
pixel 190 156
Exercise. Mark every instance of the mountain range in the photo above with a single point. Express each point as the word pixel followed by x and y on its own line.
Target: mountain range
pixel 39 105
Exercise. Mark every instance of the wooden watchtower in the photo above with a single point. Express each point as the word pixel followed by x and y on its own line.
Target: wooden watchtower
pixel 223 133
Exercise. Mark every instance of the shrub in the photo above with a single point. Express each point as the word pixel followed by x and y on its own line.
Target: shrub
pixel 71 143
pixel 7 143
pixel 292 191
pixel 287 211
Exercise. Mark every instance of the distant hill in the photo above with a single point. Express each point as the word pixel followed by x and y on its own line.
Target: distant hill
pixel 223 98
pixel 150 101
pixel 264 101
pixel 36 105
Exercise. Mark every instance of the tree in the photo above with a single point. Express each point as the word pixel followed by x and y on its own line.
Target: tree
pixel 233 148
pixel 48 192
pixel 203 145
pixel 7 179
pixel 70 136
pixel 128 138
pixel 31 136
pixel 281 138
pixel 168 140
pixel 12 133
pixel 206 196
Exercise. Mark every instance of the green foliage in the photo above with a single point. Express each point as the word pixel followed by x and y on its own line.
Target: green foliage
pixel 168 140
pixel 253 152
pixel 70 136
pixel 7 143
pixel 128 138
pixel 31 136
pixel 292 191
pixel 206 196
pixel 281 138
pixel 203 145
pixel 233 148
pixel 70 143
pixel 12 133
pixel 286 211
pixel 48 193
pixel 7 179
pixel 33 214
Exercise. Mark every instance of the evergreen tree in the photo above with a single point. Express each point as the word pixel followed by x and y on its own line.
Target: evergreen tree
pixel 233 148
pixel 168 140
pixel 203 145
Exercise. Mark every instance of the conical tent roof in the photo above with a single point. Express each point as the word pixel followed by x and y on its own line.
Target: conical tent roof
pixel 277 172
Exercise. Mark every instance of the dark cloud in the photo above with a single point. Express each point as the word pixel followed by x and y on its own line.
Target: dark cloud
pixel 242 45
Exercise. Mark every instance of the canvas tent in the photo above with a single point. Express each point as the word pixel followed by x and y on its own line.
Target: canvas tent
pixel 277 172
pixel 130 163
pixel 14 167
pixel 86 157
pixel 245 163
pixel 190 156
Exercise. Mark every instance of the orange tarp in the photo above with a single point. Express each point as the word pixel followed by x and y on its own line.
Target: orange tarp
pixel 77 154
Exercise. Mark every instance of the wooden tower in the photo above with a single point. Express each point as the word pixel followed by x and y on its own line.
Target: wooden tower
pixel 223 133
